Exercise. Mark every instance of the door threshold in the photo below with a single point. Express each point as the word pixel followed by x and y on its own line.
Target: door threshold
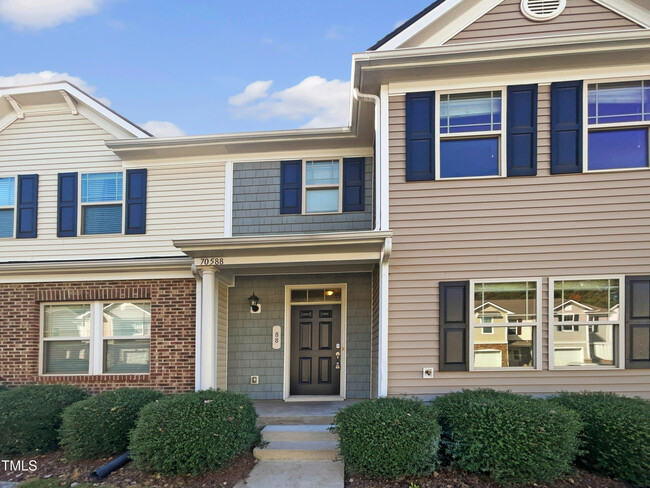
pixel 314 398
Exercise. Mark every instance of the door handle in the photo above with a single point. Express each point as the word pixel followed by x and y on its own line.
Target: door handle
pixel 338 354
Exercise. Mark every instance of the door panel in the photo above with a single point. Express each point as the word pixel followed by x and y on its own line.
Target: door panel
pixel 315 335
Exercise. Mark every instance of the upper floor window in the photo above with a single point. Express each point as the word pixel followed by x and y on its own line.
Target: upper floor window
pixel 618 120
pixel 7 204
pixel 322 186
pixel 101 203
pixel 470 130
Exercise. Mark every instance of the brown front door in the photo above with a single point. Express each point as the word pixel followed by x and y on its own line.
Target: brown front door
pixel 315 350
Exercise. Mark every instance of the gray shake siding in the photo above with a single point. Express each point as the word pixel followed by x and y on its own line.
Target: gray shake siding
pixel 256 205
pixel 249 335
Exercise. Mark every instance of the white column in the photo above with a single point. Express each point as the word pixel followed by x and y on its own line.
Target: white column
pixel 208 344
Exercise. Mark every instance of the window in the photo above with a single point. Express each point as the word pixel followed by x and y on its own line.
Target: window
pixel 500 303
pixel 322 186
pixel 101 203
pixel 471 138
pixel 586 324
pixel 96 338
pixel 7 203
pixel 618 119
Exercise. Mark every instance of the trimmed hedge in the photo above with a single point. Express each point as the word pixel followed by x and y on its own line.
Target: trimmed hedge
pixel 616 434
pixel 100 425
pixel 511 438
pixel 30 417
pixel 193 432
pixel 388 437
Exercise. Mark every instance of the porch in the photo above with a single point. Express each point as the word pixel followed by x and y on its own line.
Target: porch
pixel 279 412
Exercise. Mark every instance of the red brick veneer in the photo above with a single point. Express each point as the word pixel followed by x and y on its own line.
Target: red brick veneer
pixel 173 329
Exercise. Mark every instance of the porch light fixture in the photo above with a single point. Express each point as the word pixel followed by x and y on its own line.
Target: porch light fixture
pixel 254 302
pixel 329 293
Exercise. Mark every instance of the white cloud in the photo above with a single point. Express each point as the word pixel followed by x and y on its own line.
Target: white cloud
pixel 160 128
pixel 39 14
pixel 22 79
pixel 254 91
pixel 325 103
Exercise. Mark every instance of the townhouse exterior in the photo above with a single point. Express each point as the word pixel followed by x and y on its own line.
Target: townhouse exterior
pixel 483 221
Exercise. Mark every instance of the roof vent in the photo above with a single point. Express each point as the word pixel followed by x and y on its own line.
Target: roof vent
pixel 540 10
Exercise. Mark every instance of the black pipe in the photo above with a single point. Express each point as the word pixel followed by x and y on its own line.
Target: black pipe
pixel 103 471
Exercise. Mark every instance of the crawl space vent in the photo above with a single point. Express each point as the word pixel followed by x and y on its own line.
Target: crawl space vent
pixel 541 10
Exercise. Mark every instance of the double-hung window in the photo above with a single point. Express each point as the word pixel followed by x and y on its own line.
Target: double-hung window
pixel 7 206
pixel 101 203
pixel 471 140
pixel 96 338
pixel 618 120
pixel 322 186
pixel 586 329
pixel 500 304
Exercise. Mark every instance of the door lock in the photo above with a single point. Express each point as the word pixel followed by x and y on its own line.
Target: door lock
pixel 338 346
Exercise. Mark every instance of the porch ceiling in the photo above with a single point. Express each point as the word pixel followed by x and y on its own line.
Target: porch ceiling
pixel 286 250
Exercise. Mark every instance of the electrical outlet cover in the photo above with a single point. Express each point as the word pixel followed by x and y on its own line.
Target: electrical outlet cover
pixel 255 380
pixel 427 373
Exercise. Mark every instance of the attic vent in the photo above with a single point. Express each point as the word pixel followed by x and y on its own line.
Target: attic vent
pixel 540 10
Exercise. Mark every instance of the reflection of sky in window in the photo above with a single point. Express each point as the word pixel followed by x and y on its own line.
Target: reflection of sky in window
pixel 101 187
pixel 470 112
pixel 619 102
pixel 322 173
pixel 7 191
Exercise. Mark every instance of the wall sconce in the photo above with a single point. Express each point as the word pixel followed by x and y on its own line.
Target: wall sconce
pixel 254 302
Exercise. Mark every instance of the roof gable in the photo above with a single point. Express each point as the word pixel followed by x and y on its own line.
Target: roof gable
pixel 465 21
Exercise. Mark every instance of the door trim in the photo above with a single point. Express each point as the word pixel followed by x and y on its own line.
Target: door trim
pixel 287 336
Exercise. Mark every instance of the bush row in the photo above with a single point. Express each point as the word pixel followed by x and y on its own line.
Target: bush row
pixel 510 438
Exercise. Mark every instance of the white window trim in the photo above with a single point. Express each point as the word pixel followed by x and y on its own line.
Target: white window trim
pixel 80 205
pixel 619 349
pixel 537 349
pixel 613 125
pixel 501 134
pixel 13 207
pixel 96 339
pixel 332 186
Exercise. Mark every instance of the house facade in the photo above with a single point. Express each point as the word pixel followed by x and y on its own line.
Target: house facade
pixel 482 221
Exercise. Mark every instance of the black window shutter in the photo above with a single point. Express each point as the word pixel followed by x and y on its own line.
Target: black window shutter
pixel 566 127
pixel 420 136
pixel 522 130
pixel 67 205
pixel 454 326
pixel 291 187
pixel 637 322
pixel 136 201
pixel 26 223
pixel 353 184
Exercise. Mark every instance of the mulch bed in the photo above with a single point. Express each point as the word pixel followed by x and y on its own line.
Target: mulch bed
pixel 452 478
pixel 55 466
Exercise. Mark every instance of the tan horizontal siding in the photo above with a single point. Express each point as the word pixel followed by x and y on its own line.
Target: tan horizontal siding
pixel 181 201
pixel 527 227
pixel 506 21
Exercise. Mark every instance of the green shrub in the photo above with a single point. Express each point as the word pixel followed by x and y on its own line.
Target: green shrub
pixel 100 425
pixel 3 388
pixel 30 417
pixel 193 432
pixel 616 434
pixel 388 437
pixel 511 438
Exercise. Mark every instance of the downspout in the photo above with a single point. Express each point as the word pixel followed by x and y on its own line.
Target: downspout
pixel 197 338
pixel 378 176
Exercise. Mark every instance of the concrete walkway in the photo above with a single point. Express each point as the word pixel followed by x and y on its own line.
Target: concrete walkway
pixel 295 474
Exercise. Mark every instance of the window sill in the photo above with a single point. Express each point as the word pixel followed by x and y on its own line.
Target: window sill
pixel 88 375
pixel 461 178
pixel 615 170
pixel 499 370
pixel 585 368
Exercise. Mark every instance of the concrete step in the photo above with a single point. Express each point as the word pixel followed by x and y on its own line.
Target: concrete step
pixel 295 474
pixel 297 451
pixel 313 433
pixel 295 420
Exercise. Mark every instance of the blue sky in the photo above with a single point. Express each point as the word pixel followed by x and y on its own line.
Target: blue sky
pixel 183 61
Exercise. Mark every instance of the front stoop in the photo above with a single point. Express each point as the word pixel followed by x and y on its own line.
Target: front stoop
pixel 296 456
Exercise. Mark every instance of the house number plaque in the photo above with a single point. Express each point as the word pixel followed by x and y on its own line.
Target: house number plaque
pixel 277 337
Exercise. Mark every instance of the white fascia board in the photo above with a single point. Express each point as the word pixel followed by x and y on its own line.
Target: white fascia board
pixel 628 10
pixel 415 28
pixel 84 98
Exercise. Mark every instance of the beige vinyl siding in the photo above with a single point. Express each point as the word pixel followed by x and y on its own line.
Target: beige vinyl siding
pixel 222 337
pixel 507 22
pixel 526 227
pixel 374 333
pixel 182 201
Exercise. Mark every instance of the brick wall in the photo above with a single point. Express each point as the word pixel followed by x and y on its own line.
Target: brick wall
pixel 173 328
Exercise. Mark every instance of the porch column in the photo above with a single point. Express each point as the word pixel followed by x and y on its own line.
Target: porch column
pixel 208 343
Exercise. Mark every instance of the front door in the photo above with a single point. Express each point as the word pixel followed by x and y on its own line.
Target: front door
pixel 315 350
